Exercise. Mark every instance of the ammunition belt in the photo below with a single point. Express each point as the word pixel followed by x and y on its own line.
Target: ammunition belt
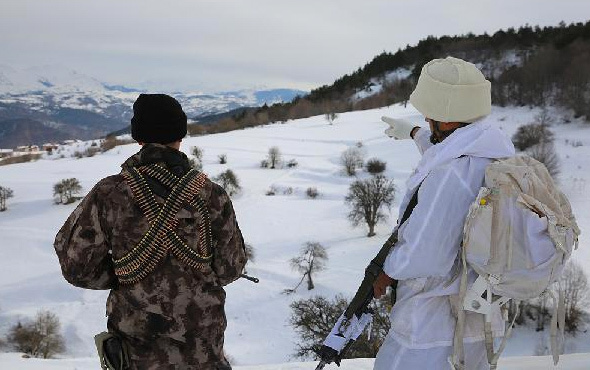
pixel 161 238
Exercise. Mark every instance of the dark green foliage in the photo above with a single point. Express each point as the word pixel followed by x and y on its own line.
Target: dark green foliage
pixel 314 318
pixel 553 68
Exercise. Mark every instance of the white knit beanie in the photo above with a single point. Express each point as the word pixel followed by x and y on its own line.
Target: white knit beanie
pixel 452 90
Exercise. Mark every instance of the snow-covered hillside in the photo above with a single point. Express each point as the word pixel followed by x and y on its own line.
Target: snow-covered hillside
pixel 277 226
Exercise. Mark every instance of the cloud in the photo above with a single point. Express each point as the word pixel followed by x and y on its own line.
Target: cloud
pixel 223 43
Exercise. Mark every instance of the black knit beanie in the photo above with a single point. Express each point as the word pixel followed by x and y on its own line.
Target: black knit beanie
pixel 157 118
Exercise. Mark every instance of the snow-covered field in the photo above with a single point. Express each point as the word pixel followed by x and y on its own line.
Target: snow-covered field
pixel 578 361
pixel 277 226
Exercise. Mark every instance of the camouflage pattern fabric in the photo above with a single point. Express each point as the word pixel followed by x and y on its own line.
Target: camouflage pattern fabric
pixel 174 318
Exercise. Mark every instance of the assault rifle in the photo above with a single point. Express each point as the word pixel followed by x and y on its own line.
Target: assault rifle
pixel 357 315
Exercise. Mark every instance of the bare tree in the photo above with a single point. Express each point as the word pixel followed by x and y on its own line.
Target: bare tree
pixel 40 338
pixel 5 193
pixel 545 153
pixel 228 181
pixel 274 157
pixel 314 318
pixel 542 312
pixel 222 158
pixel 576 293
pixel 66 190
pixel 351 159
pixel 311 260
pixel 366 199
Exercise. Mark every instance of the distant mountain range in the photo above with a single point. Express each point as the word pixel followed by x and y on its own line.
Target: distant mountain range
pixel 45 104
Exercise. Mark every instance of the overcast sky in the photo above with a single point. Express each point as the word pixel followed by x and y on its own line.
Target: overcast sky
pixel 218 45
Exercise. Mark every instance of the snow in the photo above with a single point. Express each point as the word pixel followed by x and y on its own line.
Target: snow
pixel 569 362
pixel 277 226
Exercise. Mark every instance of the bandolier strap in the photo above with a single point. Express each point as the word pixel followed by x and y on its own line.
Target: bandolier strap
pixel 161 237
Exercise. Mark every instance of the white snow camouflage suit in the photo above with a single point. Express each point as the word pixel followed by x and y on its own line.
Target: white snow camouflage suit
pixel 425 258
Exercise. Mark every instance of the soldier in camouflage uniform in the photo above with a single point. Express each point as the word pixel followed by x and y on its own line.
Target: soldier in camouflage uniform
pixel 171 313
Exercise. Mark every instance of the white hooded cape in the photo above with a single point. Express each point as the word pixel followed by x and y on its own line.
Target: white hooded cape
pixel 425 259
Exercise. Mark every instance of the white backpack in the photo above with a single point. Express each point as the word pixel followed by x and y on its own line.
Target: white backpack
pixel 518 235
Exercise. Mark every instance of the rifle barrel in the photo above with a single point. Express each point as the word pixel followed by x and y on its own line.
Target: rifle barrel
pixel 251 278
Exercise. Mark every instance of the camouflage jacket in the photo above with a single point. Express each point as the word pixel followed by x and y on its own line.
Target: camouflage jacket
pixel 175 302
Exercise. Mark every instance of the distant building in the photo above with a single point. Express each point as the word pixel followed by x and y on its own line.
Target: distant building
pixel 27 149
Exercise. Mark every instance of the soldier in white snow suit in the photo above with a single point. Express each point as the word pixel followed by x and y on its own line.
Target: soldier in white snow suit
pixel 454 97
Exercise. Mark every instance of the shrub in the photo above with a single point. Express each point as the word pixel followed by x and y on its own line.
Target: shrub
pixel 40 338
pixel 250 255
pixel 20 159
pixel 331 117
pixel 314 318
pixel 375 166
pixel 5 193
pixel 292 163
pixel 351 159
pixel 222 158
pixel 229 181
pixel 271 191
pixel 264 163
pixel 312 192
pixel 196 164
pixel 197 152
pixel 545 153
pixel 367 197
pixel 531 134
pixel 110 142
pixel 66 189
pixel 90 152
